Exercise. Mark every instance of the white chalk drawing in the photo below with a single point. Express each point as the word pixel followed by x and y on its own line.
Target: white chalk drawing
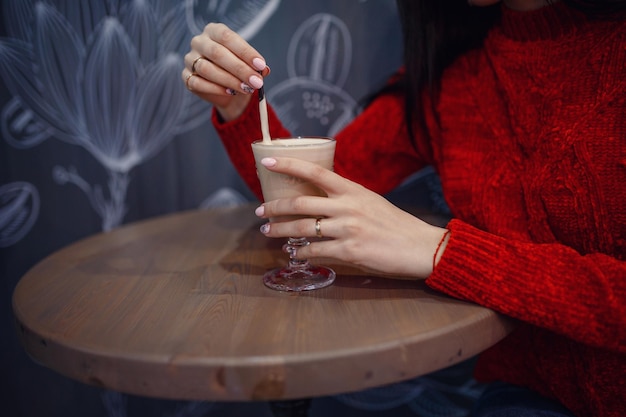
pixel 246 17
pixel 224 197
pixel 383 398
pixel 116 405
pixel 444 393
pixel 312 107
pixel 312 101
pixel 107 87
pixel 106 78
pixel 321 49
pixel 19 208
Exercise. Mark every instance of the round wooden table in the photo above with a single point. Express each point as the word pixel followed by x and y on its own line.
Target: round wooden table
pixel 175 307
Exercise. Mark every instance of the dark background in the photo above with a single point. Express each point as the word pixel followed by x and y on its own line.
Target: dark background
pixel 40 213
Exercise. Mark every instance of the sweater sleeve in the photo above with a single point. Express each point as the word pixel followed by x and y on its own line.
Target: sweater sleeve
pixel 549 285
pixel 376 151
pixel 380 167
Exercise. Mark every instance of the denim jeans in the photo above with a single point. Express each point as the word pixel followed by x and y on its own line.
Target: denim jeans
pixel 506 400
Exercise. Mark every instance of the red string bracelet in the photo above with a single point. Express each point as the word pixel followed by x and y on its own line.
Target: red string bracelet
pixel 439 247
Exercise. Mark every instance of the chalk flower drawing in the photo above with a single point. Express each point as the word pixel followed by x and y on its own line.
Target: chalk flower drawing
pixel 105 75
pixel 103 78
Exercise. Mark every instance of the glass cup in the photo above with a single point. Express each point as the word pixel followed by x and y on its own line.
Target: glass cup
pixel 298 274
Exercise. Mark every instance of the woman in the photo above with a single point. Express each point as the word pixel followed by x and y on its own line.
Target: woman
pixel 520 107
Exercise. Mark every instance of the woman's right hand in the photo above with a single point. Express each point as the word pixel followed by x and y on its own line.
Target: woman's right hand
pixel 223 69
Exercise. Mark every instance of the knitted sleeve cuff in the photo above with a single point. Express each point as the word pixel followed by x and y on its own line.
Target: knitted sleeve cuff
pixel 549 285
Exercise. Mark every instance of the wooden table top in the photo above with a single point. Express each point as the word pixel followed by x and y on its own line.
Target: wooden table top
pixel 174 307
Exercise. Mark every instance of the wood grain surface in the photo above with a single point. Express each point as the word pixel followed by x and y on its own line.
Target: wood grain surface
pixel 174 307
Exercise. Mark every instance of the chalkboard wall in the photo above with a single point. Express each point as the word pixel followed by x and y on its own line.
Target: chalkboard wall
pixel 98 131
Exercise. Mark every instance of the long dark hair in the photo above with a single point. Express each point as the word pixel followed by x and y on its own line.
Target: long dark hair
pixel 436 32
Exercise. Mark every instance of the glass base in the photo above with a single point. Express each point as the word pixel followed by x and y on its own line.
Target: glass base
pixel 299 279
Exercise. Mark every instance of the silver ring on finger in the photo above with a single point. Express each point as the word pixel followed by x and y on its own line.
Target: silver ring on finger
pixel 318 227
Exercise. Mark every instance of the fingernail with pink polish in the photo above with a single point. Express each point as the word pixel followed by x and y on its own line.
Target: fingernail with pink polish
pixel 268 162
pixel 255 81
pixel 265 228
pixel 260 211
pixel 246 88
pixel 259 64
pixel 231 91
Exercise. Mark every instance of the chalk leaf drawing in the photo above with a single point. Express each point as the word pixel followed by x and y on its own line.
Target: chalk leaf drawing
pixel 246 17
pixel 311 101
pixel 19 208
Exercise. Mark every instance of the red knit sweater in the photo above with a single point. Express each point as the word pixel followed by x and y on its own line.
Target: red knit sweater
pixel 531 151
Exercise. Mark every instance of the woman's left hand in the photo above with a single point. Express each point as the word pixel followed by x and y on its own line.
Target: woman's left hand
pixel 365 229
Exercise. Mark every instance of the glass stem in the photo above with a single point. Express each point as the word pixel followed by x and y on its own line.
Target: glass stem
pixel 291 247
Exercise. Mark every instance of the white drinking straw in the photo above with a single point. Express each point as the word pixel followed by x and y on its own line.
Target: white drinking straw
pixel 265 128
